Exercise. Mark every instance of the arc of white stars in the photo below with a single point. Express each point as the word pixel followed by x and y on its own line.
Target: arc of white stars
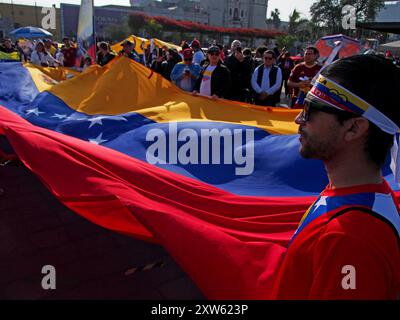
pixel 98 140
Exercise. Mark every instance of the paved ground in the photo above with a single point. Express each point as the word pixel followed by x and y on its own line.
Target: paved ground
pixel 37 230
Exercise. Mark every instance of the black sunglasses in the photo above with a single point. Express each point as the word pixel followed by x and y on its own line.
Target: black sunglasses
pixel 214 53
pixel 268 58
pixel 311 106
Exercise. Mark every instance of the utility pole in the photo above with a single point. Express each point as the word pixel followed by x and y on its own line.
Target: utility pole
pixel 36 15
pixel 12 13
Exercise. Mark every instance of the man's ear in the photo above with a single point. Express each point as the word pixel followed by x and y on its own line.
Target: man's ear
pixel 356 128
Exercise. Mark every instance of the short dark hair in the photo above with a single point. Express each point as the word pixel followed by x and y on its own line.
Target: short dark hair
pixel 104 45
pixel 377 81
pixel 247 52
pixel 314 49
pixel 260 50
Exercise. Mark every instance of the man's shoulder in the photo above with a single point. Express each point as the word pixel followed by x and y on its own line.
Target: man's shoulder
pixel 362 224
pixel 299 66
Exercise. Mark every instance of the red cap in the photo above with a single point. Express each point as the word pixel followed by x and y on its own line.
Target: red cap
pixel 187 53
pixel 195 43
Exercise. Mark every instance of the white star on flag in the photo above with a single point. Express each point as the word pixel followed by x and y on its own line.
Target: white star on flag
pixel 59 116
pixel 320 203
pixel 98 140
pixel 98 120
pixel 35 111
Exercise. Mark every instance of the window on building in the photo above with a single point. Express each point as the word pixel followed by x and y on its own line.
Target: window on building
pixel 241 14
pixel 236 14
pixel 230 11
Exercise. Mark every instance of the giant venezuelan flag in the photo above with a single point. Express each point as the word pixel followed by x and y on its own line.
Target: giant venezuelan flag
pixel 226 221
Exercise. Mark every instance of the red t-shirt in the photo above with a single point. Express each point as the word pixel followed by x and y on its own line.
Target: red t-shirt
pixel 313 265
pixel 301 70
pixel 69 56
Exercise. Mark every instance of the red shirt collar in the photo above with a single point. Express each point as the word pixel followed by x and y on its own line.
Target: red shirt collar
pixel 365 188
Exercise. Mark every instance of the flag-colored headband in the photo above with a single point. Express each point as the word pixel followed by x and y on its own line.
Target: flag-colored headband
pixel 333 94
pixel 339 97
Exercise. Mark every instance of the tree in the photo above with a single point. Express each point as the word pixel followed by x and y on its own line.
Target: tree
pixel 153 28
pixel 329 12
pixel 135 23
pixel 295 22
pixel 118 32
pixel 285 41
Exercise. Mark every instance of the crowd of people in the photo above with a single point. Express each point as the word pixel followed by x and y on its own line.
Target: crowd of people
pixel 233 73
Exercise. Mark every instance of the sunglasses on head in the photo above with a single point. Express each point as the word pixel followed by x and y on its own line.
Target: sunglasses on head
pixel 310 106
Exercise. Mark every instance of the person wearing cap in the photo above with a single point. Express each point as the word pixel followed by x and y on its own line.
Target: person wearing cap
pixel 69 52
pixel 105 55
pixel 185 74
pixel 129 51
pixel 215 78
pixel 198 56
pixel 347 244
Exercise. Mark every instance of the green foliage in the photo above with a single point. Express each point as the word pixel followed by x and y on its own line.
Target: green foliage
pixel 286 41
pixel 153 28
pixel 329 12
pixel 118 32
pixel 135 23
pixel 295 22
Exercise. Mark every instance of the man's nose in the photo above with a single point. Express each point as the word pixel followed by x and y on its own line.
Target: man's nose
pixel 299 118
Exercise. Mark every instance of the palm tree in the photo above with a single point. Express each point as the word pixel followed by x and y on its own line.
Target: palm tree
pixel 295 21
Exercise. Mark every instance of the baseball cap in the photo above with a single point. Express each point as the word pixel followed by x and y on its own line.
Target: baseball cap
pixel 214 49
pixel 187 53
pixel 195 43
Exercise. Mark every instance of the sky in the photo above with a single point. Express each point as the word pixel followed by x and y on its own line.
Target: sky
pixel 284 6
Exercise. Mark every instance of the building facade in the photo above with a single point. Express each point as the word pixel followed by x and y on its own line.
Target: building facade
pixel 105 17
pixel 13 16
pixel 389 13
pixel 219 13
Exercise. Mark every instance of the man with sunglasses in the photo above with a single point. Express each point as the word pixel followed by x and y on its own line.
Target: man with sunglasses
pixel 267 81
pixel 185 74
pixel 215 79
pixel 347 244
